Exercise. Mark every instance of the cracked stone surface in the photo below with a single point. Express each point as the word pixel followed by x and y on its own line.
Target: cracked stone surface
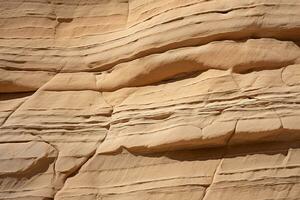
pixel 150 99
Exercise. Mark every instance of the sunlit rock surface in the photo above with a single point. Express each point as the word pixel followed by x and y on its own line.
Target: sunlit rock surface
pixel 150 99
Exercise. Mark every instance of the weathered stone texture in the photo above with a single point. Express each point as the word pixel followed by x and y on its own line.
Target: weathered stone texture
pixel 149 99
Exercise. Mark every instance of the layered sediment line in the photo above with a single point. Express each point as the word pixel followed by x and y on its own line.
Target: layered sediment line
pixel 131 99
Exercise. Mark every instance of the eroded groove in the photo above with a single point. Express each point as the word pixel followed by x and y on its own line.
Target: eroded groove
pixel 194 42
pixel 152 124
pixel 194 60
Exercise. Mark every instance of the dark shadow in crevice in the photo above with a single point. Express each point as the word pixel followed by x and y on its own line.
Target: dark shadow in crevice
pixel 11 96
pixel 202 154
pixel 64 20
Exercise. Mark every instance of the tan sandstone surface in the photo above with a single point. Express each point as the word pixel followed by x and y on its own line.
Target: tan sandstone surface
pixel 150 99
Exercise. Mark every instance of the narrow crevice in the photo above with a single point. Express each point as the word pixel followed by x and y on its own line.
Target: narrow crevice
pixel 279 118
pixel 281 76
pixel 227 144
pixel 77 170
pixel 235 82
pixel 92 154
pixel 226 150
pixel 37 169
pixel 54 17
pixel 60 21
pixel 213 178
pixel 55 29
pixel 128 11
pixel 55 160
pixel 39 138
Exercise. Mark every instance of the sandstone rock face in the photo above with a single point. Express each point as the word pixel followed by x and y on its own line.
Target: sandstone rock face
pixel 150 99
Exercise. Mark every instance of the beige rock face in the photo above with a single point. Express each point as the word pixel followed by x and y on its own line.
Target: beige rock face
pixel 150 99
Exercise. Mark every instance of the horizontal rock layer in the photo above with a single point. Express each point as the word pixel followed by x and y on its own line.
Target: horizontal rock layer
pixel 195 99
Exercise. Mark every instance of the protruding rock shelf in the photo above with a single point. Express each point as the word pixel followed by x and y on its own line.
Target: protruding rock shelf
pixel 150 100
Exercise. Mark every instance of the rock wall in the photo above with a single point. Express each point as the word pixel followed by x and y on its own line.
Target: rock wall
pixel 149 99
